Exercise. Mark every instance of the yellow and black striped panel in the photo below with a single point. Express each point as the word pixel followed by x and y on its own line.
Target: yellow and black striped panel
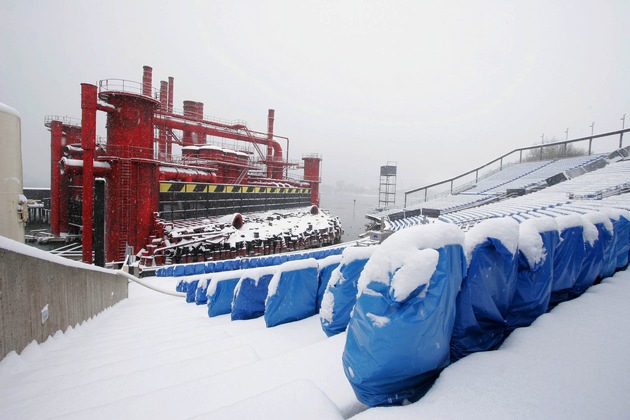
pixel 189 187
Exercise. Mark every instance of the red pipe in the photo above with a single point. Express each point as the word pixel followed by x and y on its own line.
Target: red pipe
pixel 169 108
pixel 56 152
pixel 147 80
pixel 187 175
pixel 75 166
pixel 88 141
pixel 270 154
pixel 210 129
pixel 171 83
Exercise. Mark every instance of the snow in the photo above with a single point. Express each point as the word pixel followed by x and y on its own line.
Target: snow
pixel 598 217
pixel 30 251
pixel 529 241
pixel 416 271
pixel 154 356
pixel 401 246
pixel 329 260
pixel 216 278
pixel 378 320
pixel 6 109
pixel 505 229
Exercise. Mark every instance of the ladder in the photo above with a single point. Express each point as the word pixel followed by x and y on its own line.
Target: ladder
pixel 124 197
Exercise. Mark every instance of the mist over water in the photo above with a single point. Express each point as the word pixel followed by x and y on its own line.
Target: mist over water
pixel 351 209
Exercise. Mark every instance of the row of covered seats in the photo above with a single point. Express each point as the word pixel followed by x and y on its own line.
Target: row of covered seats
pixel 181 270
pixel 287 292
pixel 430 295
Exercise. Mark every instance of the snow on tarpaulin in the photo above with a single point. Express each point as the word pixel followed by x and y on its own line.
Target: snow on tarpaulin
pixel 221 292
pixel 398 336
pixel 341 292
pixel 537 242
pixel 487 290
pixel 568 256
pixel 596 249
pixel 326 266
pixel 251 292
pixel 292 292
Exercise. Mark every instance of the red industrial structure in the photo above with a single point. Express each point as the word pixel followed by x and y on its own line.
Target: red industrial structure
pixel 147 183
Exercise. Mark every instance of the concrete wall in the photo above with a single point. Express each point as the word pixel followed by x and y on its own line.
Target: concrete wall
pixel 30 279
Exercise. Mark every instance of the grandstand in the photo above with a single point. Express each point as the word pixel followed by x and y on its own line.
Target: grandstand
pixel 522 190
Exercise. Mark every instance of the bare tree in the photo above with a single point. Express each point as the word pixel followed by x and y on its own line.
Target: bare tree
pixel 557 151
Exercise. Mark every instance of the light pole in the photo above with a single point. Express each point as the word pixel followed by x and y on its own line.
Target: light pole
pixel 623 125
pixel 566 138
pixel 590 142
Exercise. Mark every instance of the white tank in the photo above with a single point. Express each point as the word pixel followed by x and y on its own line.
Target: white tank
pixel 13 207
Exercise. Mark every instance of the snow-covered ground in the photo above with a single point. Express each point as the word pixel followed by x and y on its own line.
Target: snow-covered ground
pixel 154 356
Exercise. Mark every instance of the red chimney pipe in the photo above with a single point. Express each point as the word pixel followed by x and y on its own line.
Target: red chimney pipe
pixel 88 143
pixel 270 155
pixel 171 83
pixel 56 153
pixel 147 80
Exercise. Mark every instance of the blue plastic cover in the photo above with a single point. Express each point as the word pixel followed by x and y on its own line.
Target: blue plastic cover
pixel 189 270
pixel 396 349
pixel 179 270
pixel 182 286
pixel 533 286
pixel 292 292
pixel 249 299
pixel 614 259
pixel 326 267
pixel 567 263
pixel 343 296
pixel 191 291
pixel 200 293
pixel 592 265
pixel 484 299
pixel 622 245
pixel 209 267
pixel 199 268
pixel 220 301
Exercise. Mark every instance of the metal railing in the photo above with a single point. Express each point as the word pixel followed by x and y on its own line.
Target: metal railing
pixel 126 86
pixel 536 153
pixel 48 119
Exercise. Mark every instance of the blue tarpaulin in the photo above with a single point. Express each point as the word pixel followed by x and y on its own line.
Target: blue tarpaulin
pixel 200 293
pixel 326 268
pixel 396 349
pixel 250 294
pixel 567 263
pixel 292 292
pixel 221 292
pixel 341 292
pixel 594 258
pixel 533 286
pixel 191 290
pixel 622 246
pixel 484 299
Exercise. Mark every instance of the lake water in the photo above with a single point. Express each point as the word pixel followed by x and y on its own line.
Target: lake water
pixel 351 210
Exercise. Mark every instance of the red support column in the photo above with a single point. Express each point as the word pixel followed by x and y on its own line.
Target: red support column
pixel 88 142
pixel 169 138
pixel 270 156
pixel 312 175
pixel 56 153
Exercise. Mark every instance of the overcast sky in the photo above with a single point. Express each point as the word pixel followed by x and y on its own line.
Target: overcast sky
pixel 438 87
